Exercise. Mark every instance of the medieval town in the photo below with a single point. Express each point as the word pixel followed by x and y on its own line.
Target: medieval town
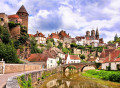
pixel 57 60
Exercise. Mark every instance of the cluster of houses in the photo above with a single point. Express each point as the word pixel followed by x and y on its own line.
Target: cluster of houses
pixel 66 39
pixel 109 57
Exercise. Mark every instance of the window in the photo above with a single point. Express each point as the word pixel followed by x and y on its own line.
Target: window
pixel 51 61
pixel 1 19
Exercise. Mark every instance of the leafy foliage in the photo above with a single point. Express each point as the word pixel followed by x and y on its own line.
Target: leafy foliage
pixel 60 46
pixel 82 56
pixel 65 50
pixel 12 24
pixel 105 75
pixel 34 48
pixel 8 53
pixel 4 35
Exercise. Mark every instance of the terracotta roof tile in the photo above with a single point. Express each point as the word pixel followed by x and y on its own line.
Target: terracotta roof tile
pixel 92 59
pixel 54 35
pixel 73 57
pixel 39 35
pixel 13 16
pixel 63 34
pixel 113 56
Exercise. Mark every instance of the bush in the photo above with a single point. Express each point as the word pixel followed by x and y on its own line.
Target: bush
pixel 4 35
pixel 105 75
pixel 65 50
pixel 8 53
pixel 12 24
pixel 82 56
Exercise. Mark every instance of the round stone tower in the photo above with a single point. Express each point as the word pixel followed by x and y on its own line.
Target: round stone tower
pixel 23 14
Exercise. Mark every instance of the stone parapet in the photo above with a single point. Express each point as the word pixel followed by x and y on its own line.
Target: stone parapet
pixel 13 83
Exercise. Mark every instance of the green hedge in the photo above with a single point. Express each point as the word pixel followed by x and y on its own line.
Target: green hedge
pixel 105 75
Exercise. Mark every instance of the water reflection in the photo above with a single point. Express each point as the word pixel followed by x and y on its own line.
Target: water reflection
pixel 71 80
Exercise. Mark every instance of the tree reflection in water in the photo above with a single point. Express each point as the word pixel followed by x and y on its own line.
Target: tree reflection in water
pixel 71 80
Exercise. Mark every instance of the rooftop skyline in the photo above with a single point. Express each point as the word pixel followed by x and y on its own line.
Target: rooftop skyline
pixel 74 16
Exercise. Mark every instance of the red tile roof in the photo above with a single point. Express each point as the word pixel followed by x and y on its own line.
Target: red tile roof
pixel 79 38
pixel 54 35
pixel 40 57
pixel 73 57
pixel 31 35
pixel 63 34
pixel 39 35
pixel 117 60
pixel 13 16
pixel 106 52
pixel 92 59
pixel 113 56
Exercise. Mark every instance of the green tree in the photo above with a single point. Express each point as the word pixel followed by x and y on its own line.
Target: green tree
pixel 82 56
pixel 60 46
pixel 8 53
pixel 34 48
pixel 49 44
pixel 65 50
pixel 73 45
pixel 115 38
pixel 4 35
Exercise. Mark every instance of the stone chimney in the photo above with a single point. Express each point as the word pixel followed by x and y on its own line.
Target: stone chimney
pixel 68 33
pixel 109 56
pixel 57 32
pixel 37 33
pixel 48 35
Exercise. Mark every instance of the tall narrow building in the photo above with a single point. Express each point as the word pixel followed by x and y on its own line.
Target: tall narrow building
pixel 23 14
pixel 97 34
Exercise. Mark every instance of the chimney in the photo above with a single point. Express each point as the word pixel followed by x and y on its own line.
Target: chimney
pixel 68 33
pixel 57 32
pixel 37 33
pixel 109 56
pixel 48 35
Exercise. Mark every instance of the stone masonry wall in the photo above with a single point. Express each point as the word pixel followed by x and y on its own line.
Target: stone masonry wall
pixel 12 68
pixel 13 83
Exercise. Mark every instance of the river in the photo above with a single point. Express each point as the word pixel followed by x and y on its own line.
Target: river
pixel 76 80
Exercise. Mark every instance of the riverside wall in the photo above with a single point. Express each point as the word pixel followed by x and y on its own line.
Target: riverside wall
pixel 13 83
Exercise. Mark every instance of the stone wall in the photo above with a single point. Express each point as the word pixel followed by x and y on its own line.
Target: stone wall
pixel 15 32
pixel 13 83
pixel 12 68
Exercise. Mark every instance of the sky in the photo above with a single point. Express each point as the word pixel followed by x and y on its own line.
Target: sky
pixel 74 16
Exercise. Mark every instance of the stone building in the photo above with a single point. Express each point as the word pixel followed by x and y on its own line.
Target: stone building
pixel 23 14
pixel 14 18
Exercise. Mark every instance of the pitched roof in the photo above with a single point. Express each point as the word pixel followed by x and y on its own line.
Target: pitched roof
pixel 72 57
pixel 22 9
pixel 13 16
pixel 117 60
pixel 106 52
pixel 40 57
pixel 64 34
pixel 31 35
pixel 54 35
pixel 79 38
pixel 113 56
pixel 39 35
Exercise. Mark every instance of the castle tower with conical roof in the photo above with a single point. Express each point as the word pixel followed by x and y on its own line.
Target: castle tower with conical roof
pixel 23 14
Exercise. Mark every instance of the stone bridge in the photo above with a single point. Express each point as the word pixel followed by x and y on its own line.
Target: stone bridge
pixel 80 66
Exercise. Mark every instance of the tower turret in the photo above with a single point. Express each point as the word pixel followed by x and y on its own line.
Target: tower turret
pixel 23 14
pixel 97 34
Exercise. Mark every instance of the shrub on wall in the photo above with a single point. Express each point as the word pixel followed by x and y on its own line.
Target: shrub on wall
pixel 12 24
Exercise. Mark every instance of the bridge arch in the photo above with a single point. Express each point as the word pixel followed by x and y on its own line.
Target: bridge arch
pixel 64 68
pixel 87 67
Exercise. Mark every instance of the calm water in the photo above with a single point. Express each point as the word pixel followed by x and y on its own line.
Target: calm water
pixel 75 80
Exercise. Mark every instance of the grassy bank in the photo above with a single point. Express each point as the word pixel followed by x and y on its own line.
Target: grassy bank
pixel 113 76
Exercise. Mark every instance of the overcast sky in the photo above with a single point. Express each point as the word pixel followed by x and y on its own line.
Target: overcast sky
pixel 73 16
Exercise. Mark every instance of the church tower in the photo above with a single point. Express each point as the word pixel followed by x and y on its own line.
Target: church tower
pixel 97 34
pixel 23 14
pixel 93 34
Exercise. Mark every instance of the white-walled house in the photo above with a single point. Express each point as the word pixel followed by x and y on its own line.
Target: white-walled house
pixel 112 60
pixel 72 59
pixel 52 62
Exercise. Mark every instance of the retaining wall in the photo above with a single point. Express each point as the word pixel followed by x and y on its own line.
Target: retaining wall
pixel 13 68
pixel 13 83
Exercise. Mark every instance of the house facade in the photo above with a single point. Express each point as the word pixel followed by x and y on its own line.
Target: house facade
pixel 72 59
pixel 41 39
pixel 112 61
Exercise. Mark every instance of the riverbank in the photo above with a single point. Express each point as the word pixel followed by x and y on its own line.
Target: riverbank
pixel 75 80
pixel 113 76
